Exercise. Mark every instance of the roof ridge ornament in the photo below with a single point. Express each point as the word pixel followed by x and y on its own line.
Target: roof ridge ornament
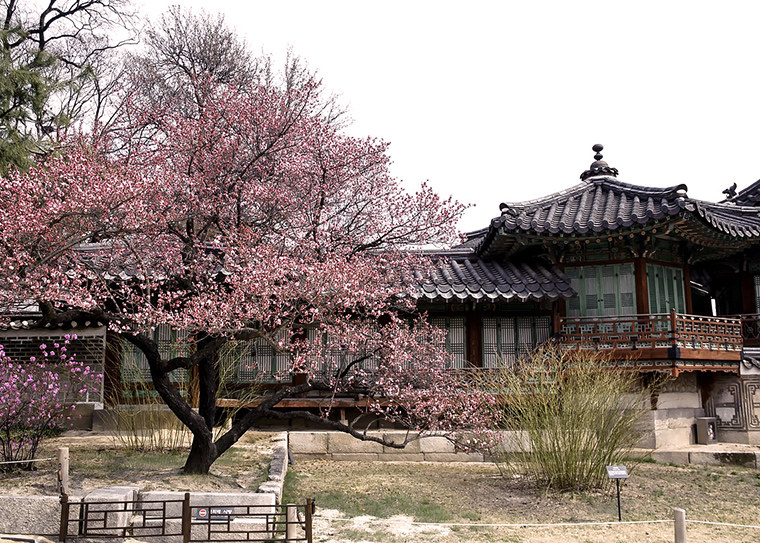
pixel 730 192
pixel 599 166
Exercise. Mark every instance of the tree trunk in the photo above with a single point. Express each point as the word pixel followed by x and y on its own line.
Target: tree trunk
pixel 203 453
pixel 207 386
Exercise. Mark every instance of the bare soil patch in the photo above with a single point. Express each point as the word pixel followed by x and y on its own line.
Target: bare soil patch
pixel 97 460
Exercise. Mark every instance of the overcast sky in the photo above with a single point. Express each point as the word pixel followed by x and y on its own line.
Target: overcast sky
pixel 501 101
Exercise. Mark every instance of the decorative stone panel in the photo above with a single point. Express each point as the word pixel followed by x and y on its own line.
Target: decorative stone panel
pixel 753 403
pixel 735 402
pixel 726 404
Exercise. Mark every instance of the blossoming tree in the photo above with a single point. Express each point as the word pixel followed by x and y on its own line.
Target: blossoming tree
pixel 35 398
pixel 256 219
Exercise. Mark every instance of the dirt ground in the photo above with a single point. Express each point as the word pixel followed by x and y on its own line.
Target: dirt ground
pixel 469 494
pixel 431 502
pixel 97 460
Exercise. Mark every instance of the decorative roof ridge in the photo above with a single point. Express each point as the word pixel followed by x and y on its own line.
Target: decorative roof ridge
pixel 609 183
pixel 476 233
pixel 453 251
pixel 748 194
pixel 599 167
pixel 727 205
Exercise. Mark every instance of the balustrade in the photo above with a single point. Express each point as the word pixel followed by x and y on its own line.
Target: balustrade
pixel 657 336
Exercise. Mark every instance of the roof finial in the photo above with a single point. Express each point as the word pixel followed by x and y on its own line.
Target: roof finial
pixel 599 167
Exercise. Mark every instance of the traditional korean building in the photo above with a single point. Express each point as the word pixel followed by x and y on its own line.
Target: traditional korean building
pixel 659 281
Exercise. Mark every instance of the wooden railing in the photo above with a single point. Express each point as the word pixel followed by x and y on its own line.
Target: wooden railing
pixel 656 336
pixel 750 328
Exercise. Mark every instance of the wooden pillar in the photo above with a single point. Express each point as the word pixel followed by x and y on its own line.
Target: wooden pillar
pixel 749 296
pixel 642 286
pixel 687 289
pixel 474 331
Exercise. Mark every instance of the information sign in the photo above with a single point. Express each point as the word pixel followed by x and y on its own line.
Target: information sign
pixel 617 472
pixel 214 513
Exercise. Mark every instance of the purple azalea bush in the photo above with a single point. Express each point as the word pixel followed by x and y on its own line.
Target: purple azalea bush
pixel 36 399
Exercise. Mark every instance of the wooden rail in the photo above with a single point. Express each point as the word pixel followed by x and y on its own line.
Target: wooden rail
pixel 663 336
pixel 750 328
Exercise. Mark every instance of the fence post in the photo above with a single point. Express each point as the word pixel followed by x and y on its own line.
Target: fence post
pixel 63 470
pixel 309 511
pixel 64 528
pixel 186 520
pixel 680 522
pixel 291 522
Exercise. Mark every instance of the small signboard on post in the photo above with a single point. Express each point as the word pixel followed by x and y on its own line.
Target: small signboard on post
pixel 617 473
pixel 214 513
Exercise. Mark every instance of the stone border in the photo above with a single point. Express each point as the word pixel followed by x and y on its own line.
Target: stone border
pixel 278 468
pixel 747 459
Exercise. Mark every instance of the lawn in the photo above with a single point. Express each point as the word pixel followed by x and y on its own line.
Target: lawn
pixel 383 502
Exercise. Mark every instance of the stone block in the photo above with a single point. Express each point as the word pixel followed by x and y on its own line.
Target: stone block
pixel 355 457
pixel 109 510
pixel 307 457
pixel 237 500
pixel 81 414
pixel 238 529
pixel 515 441
pixel 744 459
pixel 436 444
pixel 453 457
pixel 674 437
pixel 39 514
pixel 338 442
pixel 308 442
pixel 399 437
pixel 278 467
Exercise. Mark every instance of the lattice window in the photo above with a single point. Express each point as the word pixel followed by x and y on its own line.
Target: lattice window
pixel 337 356
pixel 602 290
pixel 255 361
pixel 171 343
pixel 506 339
pixel 666 289
pixel 454 342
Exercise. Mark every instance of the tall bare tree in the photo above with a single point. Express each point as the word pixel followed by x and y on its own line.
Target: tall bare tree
pixel 51 53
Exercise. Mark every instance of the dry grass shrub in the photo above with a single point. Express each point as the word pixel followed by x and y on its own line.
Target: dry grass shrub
pixel 568 414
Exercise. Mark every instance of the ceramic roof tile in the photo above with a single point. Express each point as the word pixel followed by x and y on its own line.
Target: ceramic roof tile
pixel 596 204
pixel 467 277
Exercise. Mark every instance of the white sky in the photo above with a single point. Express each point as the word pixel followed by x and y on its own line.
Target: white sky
pixel 501 101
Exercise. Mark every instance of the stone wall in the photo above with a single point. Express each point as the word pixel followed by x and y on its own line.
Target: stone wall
pixel 89 347
pixel 340 446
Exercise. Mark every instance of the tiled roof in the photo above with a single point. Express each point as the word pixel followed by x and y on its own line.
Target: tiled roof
pixel 467 277
pixel 603 204
pixel 749 196
pixel 595 205
pixel 734 220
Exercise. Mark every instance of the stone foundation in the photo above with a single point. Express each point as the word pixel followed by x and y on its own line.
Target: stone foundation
pixel 311 445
